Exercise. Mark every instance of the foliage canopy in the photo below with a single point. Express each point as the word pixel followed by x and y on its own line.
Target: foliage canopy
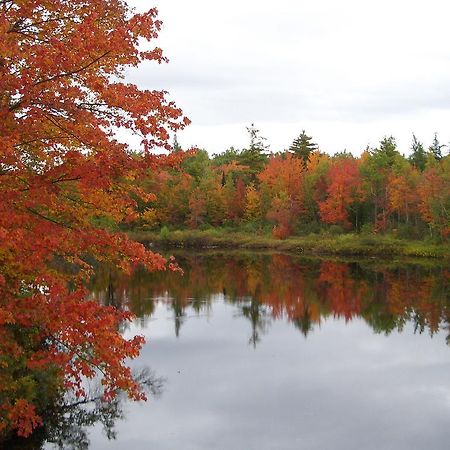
pixel 65 180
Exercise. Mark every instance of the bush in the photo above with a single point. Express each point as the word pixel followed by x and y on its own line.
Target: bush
pixel 255 227
pixel 164 233
pixel 368 241
pixel 367 228
pixel 305 229
pixel 408 231
pixel 335 230
pixel 281 232
pixel 205 227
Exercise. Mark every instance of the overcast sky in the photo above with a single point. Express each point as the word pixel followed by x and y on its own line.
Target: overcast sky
pixel 348 72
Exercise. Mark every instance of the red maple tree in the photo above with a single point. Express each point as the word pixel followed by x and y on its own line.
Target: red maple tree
pixel 344 188
pixel 65 181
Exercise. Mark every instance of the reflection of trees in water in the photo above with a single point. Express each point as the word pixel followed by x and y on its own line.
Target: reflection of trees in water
pixel 304 322
pixel 178 314
pixel 259 317
pixel 282 287
pixel 68 421
pixel 261 289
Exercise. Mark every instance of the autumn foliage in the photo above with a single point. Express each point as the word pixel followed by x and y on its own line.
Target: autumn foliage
pixel 65 182
pixel 344 190
pixel 378 192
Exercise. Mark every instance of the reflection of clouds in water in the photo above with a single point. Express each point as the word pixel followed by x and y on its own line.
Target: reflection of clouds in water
pixel 289 393
pixel 344 386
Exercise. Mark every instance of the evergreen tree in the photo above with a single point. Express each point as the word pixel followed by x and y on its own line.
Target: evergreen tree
pixel 435 148
pixel 227 157
pixel 302 147
pixel 176 145
pixel 376 169
pixel 418 157
pixel 257 142
pixel 387 152
pixel 255 156
pixel 198 165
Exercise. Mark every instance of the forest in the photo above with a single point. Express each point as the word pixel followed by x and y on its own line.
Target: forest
pixel 304 190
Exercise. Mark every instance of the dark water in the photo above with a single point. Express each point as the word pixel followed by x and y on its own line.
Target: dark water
pixel 277 352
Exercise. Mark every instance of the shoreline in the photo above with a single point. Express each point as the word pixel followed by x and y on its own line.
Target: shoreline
pixel 311 245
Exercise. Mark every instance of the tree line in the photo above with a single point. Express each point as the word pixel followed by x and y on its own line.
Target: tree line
pixel 304 190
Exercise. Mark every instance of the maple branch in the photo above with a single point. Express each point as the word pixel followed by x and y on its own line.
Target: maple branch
pixel 9 7
pixel 78 354
pixel 58 180
pixel 50 144
pixel 63 180
pixel 15 26
pixel 43 22
pixel 28 35
pixel 73 72
pixel 50 219
pixel 24 182
pixel 92 107
pixel 60 75
pixel 57 124
pixel 40 139
pixel 85 202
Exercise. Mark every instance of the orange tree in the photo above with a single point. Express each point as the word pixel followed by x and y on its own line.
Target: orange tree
pixel 344 192
pixel 64 182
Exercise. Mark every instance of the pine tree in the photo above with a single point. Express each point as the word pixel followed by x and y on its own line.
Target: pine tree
pixel 302 147
pixel 418 157
pixel 257 142
pixel 376 168
pixel 435 148
pixel 388 148
pixel 176 145
pixel 255 156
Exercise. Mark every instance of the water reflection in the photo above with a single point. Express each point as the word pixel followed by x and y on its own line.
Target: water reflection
pixel 271 352
pixel 68 421
pixel 280 345
pixel 268 288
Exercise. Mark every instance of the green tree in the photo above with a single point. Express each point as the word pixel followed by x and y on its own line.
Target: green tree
pixel 418 157
pixel 302 147
pixel 435 148
pixel 255 156
pixel 387 153
pixel 376 167
pixel 176 145
pixel 257 142
pixel 227 157
pixel 198 165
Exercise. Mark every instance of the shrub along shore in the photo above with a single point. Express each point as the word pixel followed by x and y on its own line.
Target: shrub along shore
pixel 350 244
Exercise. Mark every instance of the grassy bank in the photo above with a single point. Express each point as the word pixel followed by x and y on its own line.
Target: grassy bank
pixel 345 245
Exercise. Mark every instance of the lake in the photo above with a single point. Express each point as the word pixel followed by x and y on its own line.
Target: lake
pixel 269 351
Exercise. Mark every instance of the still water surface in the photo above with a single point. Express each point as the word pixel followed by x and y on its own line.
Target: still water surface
pixel 261 351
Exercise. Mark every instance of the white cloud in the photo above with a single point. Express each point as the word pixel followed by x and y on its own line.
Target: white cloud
pixel 348 72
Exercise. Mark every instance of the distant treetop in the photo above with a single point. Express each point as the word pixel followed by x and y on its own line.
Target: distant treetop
pixel 302 147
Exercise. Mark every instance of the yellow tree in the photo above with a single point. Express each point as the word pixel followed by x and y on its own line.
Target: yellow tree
pixel 252 204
